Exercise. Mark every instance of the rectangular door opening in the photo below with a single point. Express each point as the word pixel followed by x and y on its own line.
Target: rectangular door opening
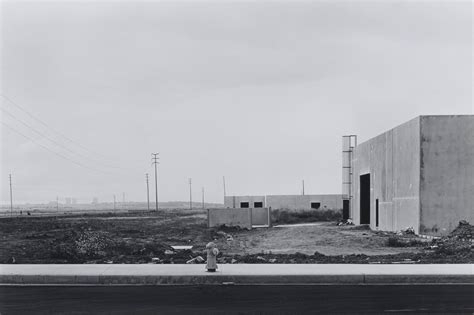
pixel 365 199
pixel 376 212
pixel 345 209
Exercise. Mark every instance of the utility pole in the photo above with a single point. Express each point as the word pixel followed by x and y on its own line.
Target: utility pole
pixel 147 192
pixel 203 198
pixel 223 180
pixel 155 159
pixel 11 195
pixel 123 199
pixel 190 195
pixel 57 204
pixel 303 187
pixel 114 202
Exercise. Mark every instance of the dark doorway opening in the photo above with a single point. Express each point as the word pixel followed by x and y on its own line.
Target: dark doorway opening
pixel 258 204
pixel 315 205
pixel 365 199
pixel 345 209
pixel 376 212
pixel 244 205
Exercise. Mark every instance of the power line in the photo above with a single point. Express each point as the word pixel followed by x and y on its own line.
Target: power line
pixel 74 152
pixel 54 152
pixel 46 125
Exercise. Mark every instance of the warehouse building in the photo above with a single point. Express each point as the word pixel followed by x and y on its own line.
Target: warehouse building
pixel 419 174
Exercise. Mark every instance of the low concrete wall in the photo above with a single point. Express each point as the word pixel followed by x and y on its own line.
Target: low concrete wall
pixel 260 216
pixel 230 217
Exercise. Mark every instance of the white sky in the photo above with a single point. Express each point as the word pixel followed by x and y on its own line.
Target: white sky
pixel 260 92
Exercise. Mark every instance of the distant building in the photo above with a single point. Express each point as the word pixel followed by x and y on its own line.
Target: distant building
pixel 419 174
pixel 289 202
pixel 74 201
pixel 68 201
pixel 95 200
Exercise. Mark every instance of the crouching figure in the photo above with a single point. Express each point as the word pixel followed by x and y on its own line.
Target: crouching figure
pixel 212 252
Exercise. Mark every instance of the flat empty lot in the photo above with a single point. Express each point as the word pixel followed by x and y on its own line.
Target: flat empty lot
pixel 147 237
pixel 324 237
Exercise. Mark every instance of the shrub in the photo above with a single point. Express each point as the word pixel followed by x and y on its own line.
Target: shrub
pixel 394 241
pixel 289 217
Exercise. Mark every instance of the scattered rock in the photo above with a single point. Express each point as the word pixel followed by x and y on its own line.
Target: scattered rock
pixel 169 252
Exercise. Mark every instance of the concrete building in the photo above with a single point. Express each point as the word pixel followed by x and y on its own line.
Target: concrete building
pixel 244 202
pixel 419 174
pixel 304 202
pixel 290 202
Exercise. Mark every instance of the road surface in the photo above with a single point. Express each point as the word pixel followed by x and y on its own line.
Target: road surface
pixel 237 299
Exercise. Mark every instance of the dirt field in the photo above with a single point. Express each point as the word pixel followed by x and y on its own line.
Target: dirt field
pixel 323 237
pixel 147 237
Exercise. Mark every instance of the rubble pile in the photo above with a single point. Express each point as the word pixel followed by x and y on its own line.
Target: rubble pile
pixel 345 222
pixel 463 232
pixel 457 243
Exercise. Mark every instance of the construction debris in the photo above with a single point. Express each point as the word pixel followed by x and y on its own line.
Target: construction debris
pixel 346 222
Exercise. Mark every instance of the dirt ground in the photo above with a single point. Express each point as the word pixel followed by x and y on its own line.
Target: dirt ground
pixel 323 237
pixel 147 237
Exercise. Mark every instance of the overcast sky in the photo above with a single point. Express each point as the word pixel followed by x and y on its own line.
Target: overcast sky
pixel 258 91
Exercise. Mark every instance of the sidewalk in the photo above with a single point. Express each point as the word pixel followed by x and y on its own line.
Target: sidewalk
pixel 148 274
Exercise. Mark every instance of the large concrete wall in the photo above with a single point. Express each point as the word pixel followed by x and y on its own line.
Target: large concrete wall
pixel 447 172
pixel 303 202
pixel 230 217
pixel 234 201
pixel 393 161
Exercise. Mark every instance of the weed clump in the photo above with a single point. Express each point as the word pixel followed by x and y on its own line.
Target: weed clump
pixel 291 217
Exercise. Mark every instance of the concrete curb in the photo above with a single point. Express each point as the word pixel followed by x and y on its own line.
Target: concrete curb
pixel 238 274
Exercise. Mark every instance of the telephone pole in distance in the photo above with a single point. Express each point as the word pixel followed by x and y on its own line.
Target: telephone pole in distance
pixel 11 195
pixel 203 198
pixel 190 195
pixel 147 192
pixel 155 158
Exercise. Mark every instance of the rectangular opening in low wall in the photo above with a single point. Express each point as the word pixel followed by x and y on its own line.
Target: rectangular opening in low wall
pixel 258 204
pixel 315 205
pixel 244 204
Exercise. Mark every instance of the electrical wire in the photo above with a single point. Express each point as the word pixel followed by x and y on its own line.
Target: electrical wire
pixel 52 151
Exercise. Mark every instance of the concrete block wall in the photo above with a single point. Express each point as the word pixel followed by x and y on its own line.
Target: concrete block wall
pixel 261 216
pixel 243 217
pixel 447 173
pixel 230 217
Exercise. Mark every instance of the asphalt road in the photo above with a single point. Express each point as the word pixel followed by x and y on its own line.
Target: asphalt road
pixel 239 299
